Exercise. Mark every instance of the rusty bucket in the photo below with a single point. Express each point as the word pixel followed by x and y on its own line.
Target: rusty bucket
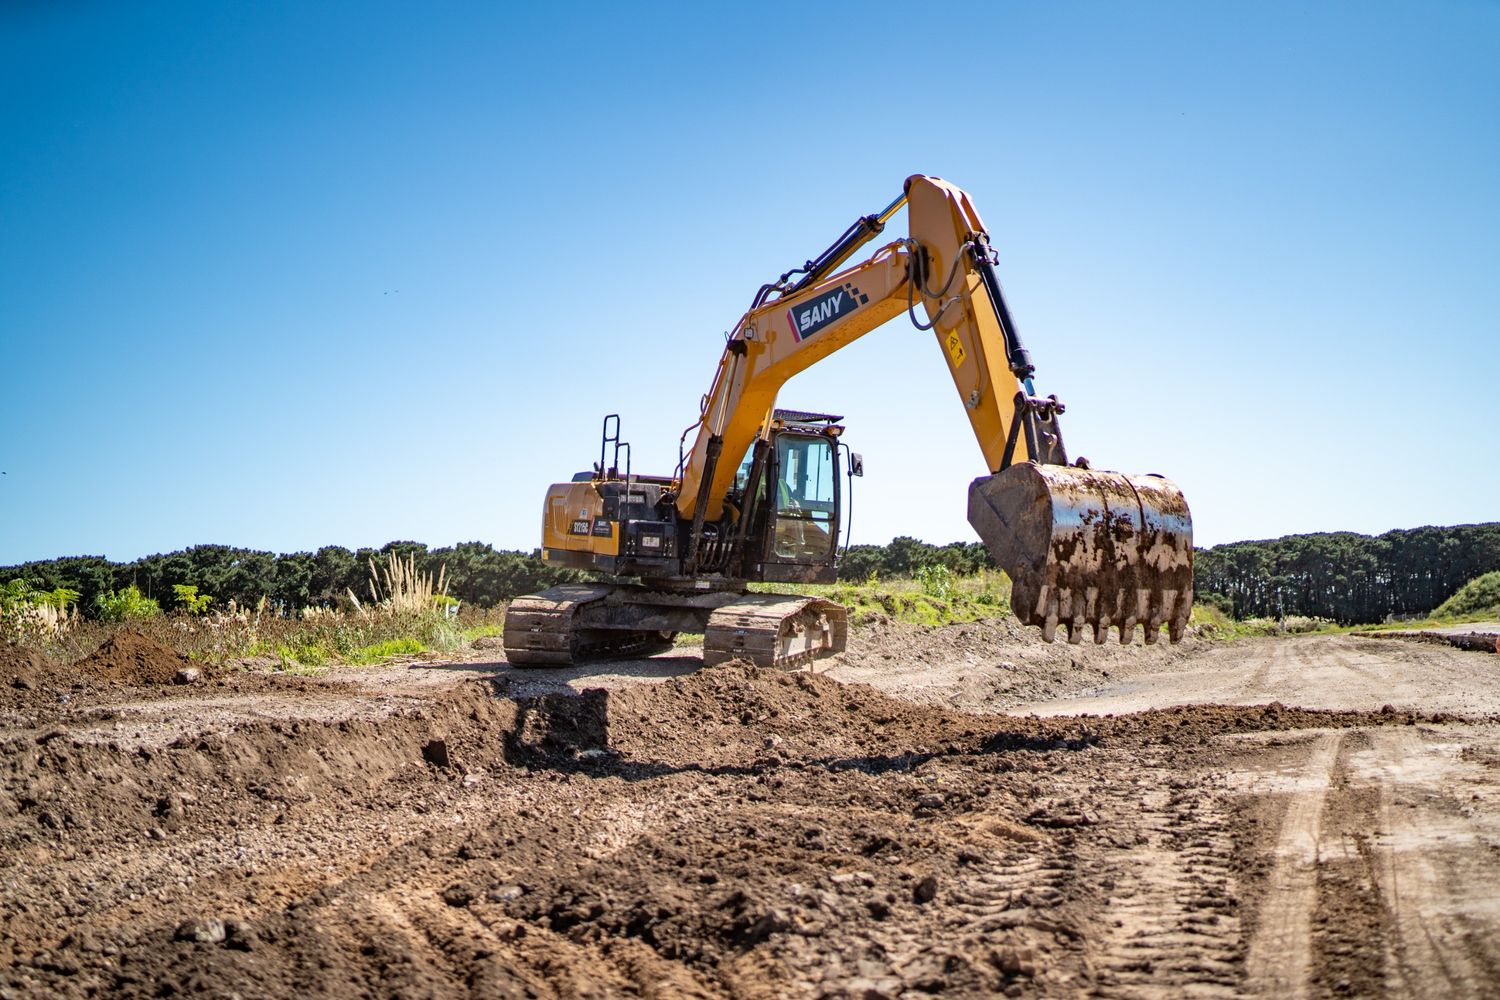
pixel 1089 549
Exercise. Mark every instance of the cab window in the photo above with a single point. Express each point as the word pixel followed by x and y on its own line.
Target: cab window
pixel 805 498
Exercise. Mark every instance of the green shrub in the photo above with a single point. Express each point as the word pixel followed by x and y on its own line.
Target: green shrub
pixel 308 654
pixel 189 600
pixel 445 636
pixel 1220 602
pixel 125 605
pixel 937 581
pixel 377 651
pixel 21 593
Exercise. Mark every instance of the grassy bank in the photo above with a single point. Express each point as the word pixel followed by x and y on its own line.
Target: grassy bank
pixel 311 639
pixel 935 597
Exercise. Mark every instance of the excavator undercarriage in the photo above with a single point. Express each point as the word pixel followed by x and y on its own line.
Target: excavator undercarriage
pixel 577 622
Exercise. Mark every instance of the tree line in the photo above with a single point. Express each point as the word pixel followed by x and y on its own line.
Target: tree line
pixel 1347 577
pixel 477 573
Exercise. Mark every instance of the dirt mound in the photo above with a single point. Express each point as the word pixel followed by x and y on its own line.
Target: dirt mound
pixel 23 668
pixel 128 657
pixel 734 712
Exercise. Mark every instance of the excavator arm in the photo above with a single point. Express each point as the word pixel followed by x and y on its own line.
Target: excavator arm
pixel 1083 548
pixel 946 264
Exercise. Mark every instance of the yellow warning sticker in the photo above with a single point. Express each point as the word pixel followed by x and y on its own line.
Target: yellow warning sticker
pixel 955 348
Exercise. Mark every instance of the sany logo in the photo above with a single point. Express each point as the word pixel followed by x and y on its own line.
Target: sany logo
pixel 820 311
pixel 810 317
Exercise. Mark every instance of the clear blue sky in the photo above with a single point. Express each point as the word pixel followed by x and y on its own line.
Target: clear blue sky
pixel 287 274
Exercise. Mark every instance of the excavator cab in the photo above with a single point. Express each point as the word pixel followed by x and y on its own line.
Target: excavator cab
pixel 789 489
pixel 807 500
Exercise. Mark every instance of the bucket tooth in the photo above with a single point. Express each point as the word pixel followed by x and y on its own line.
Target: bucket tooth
pixel 1088 548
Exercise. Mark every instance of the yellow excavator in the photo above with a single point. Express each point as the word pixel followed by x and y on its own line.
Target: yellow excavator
pixel 759 497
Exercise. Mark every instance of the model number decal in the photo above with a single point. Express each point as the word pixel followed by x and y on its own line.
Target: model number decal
pixel 579 527
pixel 811 316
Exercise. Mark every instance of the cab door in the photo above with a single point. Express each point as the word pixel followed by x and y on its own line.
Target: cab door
pixel 804 509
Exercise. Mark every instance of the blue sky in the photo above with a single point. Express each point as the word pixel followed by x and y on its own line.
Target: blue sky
pixel 285 275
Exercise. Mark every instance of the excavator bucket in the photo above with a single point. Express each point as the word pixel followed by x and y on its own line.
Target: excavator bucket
pixel 1089 550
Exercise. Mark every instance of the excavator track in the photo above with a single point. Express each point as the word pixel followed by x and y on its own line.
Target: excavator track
pixel 776 630
pixel 541 631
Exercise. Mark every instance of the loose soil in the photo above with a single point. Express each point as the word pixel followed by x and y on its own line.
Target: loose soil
pixel 961 811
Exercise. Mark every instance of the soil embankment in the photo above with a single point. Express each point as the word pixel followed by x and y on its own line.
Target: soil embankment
pixel 650 829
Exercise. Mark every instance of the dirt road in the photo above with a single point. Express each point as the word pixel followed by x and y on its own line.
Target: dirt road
pixel 963 812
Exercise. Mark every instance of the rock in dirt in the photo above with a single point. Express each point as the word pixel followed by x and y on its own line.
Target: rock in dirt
pixel 505 893
pixel 925 891
pixel 187 675
pixel 1015 961
pixel 239 935
pixel 209 930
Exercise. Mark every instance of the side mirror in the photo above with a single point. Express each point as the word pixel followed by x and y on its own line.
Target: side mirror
pixel 856 464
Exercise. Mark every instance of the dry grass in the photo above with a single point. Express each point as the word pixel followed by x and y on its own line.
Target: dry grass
pixel 311 637
pixel 399 587
pixel 40 621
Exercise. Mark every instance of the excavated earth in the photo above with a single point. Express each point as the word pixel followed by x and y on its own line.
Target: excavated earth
pixel 960 811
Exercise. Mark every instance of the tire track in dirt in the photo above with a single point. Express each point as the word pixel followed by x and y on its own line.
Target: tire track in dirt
pixel 1435 880
pixel 1279 955
pixel 1356 661
pixel 1170 921
pixel 1259 683
pixel 1350 926
pixel 1006 897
